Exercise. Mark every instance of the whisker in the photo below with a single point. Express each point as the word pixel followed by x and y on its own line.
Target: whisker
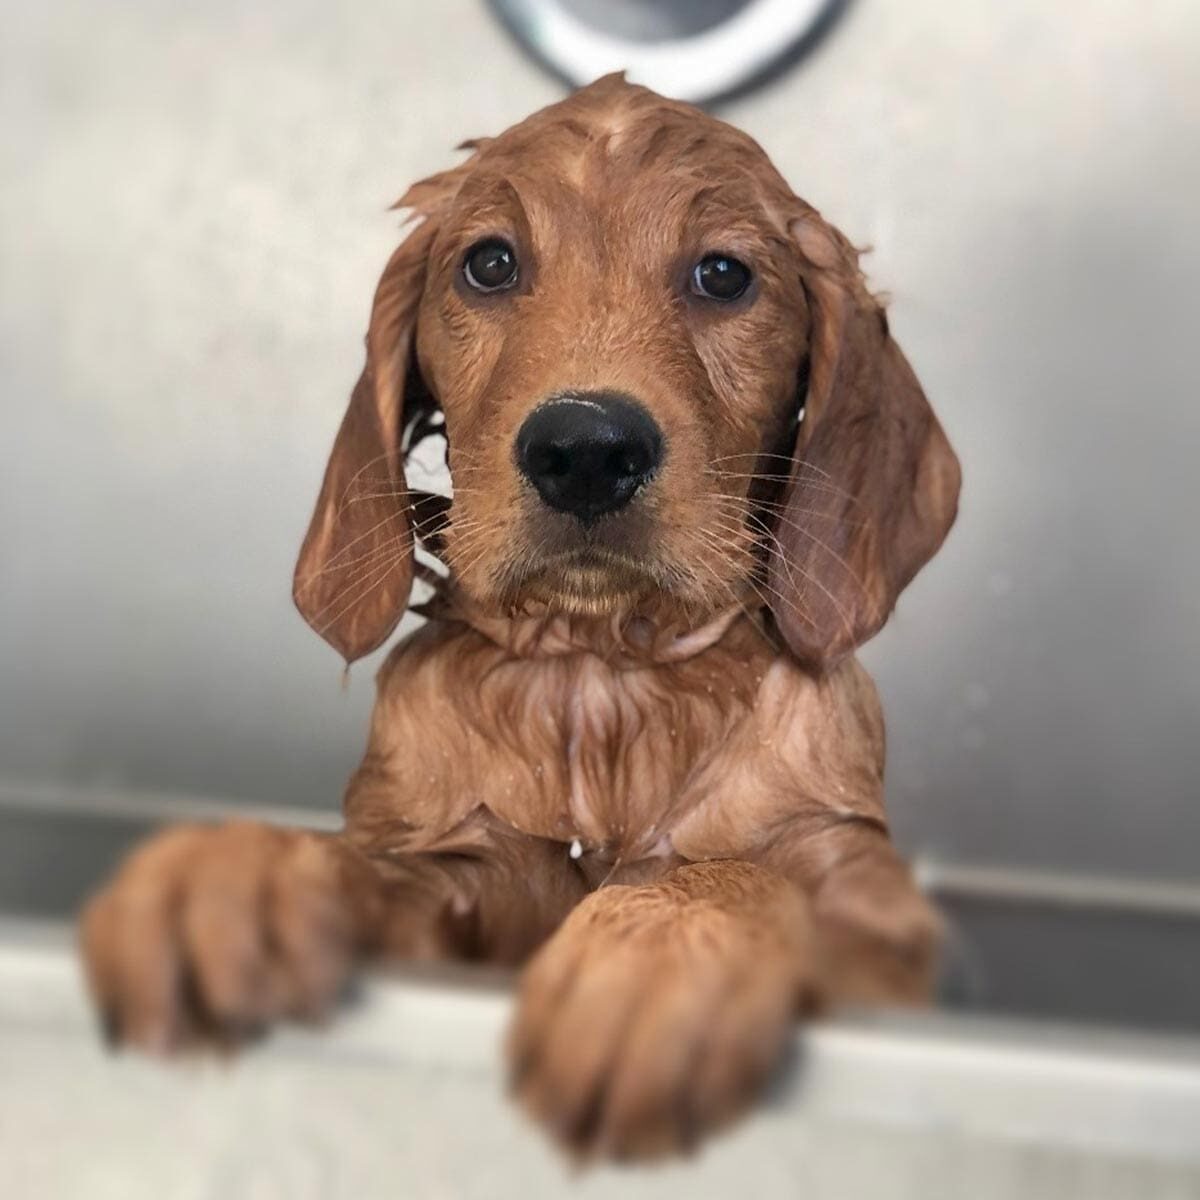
pixel 818 485
pixel 783 513
pixel 394 542
pixel 788 566
pixel 375 576
pixel 333 560
pixel 387 454
pixel 475 547
pixel 787 458
pixel 762 588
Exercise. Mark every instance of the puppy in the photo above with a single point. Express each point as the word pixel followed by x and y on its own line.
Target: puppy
pixel 630 746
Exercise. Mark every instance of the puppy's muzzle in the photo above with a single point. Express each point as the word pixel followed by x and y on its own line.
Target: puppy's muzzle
pixel 588 453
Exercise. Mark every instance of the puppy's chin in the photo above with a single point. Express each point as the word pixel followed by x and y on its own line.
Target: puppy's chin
pixel 586 585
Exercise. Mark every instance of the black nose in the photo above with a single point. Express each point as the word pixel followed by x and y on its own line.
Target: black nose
pixel 589 452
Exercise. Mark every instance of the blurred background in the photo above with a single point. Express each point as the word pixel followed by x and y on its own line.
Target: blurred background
pixel 193 217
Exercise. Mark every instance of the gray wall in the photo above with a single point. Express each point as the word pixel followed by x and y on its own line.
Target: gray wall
pixel 191 222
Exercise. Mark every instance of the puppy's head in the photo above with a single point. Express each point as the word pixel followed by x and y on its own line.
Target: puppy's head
pixel 663 384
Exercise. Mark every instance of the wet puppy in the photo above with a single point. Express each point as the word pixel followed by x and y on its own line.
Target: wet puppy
pixel 691 473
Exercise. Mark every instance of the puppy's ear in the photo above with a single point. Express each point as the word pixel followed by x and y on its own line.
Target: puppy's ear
pixel 874 483
pixel 355 570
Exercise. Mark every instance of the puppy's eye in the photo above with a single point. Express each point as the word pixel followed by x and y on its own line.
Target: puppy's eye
pixel 490 265
pixel 720 277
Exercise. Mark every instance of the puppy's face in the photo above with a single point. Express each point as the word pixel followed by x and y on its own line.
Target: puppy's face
pixel 621 309
pixel 613 325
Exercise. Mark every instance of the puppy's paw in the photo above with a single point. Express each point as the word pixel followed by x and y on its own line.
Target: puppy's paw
pixel 208 934
pixel 650 1018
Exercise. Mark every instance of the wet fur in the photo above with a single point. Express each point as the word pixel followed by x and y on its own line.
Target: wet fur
pixel 672 694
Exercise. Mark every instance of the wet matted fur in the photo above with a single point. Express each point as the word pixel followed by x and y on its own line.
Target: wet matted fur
pixel 637 752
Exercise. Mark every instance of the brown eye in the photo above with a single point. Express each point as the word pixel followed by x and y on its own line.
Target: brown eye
pixel 720 277
pixel 490 265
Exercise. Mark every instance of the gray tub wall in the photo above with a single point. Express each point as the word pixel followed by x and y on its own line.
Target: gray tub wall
pixel 191 223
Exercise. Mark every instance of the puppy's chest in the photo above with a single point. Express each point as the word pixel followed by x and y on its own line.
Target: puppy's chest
pixel 568 747
pixel 606 756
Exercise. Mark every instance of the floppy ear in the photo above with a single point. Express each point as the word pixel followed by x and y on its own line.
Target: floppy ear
pixel 874 483
pixel 355 570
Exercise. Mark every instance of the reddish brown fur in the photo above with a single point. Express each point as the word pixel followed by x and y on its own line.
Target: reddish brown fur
pixel 674 691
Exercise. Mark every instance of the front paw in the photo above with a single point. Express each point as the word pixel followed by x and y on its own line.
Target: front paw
pixel 207 934
pixel 650 1018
